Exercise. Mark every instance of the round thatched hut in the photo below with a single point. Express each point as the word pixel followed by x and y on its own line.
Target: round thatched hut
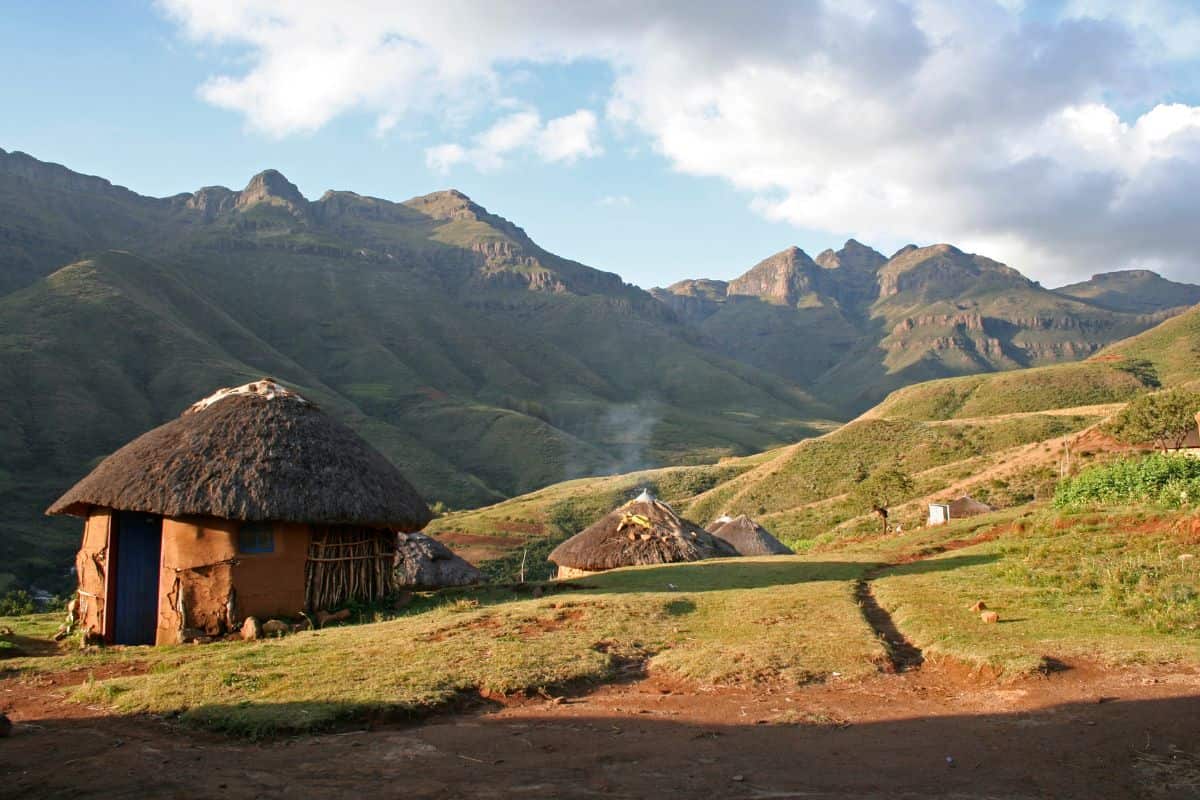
pixel 423 562
pixel 252 503
pixel 643 531
pixel 747 536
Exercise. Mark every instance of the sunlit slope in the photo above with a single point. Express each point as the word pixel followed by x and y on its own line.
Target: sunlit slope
pixel 1000 437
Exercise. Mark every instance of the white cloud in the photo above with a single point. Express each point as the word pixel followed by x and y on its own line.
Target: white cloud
pixel 570 138
pixel 919 120
pixel 565 139
pixel 616 200
pixel 445 156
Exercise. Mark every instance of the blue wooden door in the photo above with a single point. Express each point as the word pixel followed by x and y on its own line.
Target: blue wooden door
pixel 139 544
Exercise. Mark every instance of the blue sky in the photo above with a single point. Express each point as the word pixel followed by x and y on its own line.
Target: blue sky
pixel 1063 143
pixel 112 92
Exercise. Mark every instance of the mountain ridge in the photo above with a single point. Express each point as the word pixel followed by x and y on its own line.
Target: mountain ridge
pixel 924 313
pixel 484 365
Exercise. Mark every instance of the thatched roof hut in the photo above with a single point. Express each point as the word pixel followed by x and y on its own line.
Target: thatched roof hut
pixel 967 506
pixel 747 536
pixel 252 503
pixel 423 562
pixel 261 453
pixel 643 531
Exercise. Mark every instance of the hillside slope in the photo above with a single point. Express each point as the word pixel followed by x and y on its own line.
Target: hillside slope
pixel 1001 437
pixel 480 363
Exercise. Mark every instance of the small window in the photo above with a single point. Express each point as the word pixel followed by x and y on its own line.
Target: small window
pixel 256 537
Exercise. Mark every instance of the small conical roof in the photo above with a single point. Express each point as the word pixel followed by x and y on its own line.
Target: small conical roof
pixel 425 563
pixel 717 523
pixel 967 506
pixel 643 531
pixel 748 537
pixel 253 452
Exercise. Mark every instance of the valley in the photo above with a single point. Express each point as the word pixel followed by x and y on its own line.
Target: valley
pixel 483 365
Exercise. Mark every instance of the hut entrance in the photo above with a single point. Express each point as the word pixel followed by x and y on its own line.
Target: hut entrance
pixel 135 596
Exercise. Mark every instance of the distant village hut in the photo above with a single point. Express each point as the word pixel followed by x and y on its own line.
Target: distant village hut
pixel 252 503
pixel 747 536
pixel 1191 444
pixel 423 562
pixel 965 506
pixel 643 531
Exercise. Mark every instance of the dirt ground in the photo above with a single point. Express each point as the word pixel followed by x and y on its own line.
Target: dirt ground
pixel 936 732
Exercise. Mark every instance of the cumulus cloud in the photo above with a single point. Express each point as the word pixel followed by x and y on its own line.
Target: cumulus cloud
pixel 1057 144
pixel 564 139
pixel 569 138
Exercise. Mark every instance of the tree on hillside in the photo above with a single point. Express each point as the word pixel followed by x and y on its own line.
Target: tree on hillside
pixel 1163 418
pixel 881 490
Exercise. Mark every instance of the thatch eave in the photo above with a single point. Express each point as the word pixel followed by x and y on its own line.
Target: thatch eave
pixel 253 458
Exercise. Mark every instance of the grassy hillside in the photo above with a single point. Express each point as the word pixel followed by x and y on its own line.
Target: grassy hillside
pixel 1172 347
pixel 483 365
pixel 1001 437
pixel 1068 589
pixel 1042 389
pixel 111 346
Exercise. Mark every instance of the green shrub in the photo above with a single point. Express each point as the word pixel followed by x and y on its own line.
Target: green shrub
pixel 1163 418
pixel 1170 481
pixel 16 603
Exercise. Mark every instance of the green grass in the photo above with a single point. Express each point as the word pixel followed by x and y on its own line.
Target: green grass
pixel 1172 347
pixel 1042 389
pixel 723 622
pixel 801 492
pixel 1109 589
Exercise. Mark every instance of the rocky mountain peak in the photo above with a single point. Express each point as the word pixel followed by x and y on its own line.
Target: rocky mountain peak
pixel 854 256
pixel 448 204
pixel 270 186
pixel 943 271
pixel 781 279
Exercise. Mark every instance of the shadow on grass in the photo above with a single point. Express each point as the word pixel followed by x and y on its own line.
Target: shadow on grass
pixel 929 565
pixel 700 576
pixel 722 575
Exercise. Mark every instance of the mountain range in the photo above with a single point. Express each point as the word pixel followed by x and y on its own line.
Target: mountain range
pixel 480 363
pixel 852 325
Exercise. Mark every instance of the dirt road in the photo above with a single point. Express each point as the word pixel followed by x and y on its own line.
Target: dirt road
pixel 936 732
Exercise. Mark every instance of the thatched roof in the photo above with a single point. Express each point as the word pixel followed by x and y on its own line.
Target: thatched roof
pixel 747 536
pixel 643 531
pixel 258 452
pixel 425 563
pixel 967 506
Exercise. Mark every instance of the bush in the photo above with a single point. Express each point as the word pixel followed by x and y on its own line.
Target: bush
pixel 1163 418
pixel 17 603
pixel 1170 481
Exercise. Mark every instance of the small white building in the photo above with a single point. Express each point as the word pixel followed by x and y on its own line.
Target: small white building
pixel 939 513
